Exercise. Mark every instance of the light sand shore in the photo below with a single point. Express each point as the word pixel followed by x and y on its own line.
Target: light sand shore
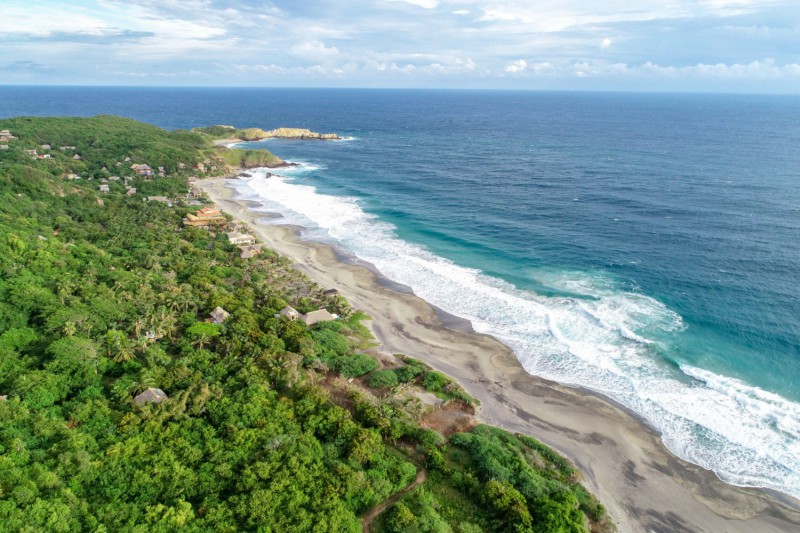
pixel 644 486
pixel 227 143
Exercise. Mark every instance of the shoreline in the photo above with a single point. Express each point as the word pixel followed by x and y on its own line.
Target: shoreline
pixel 625 464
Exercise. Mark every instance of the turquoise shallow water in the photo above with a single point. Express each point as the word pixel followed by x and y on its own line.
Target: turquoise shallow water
pixel 643 246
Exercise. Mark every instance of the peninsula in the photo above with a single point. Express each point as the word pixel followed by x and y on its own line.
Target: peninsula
pixel 230 134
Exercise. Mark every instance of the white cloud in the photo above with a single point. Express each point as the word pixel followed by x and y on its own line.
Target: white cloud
pixel 456 41
pixel 426 4
pixel 515 67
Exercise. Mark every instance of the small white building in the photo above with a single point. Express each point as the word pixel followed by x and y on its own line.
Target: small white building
pixel 289 312
pixel 104 188
pixel 234 237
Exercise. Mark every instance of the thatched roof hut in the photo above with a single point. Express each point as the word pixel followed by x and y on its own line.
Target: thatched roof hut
pixel 150 395
pixel 314 317
pixel 219 315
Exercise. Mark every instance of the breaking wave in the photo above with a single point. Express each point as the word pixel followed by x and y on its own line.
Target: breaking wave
pixel 600 337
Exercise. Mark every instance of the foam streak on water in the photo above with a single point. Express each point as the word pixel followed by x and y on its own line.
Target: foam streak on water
pixel 603 338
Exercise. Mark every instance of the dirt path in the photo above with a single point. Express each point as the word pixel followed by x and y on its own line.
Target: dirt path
pixel 375 512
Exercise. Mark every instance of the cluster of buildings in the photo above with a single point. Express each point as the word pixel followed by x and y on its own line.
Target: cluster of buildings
pixel 5 138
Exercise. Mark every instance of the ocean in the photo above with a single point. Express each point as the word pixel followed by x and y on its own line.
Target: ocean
pixel 643 246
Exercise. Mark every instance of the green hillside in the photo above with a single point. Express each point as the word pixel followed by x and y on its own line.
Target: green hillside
pixel 268 424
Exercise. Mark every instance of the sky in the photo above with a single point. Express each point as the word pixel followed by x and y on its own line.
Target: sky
pixel 625 45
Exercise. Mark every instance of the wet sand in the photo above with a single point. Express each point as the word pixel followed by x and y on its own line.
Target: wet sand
pixel 643 486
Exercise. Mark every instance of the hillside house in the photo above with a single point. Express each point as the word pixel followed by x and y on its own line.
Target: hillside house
pixel 204 218
pixel 104 188
pixel 142 170
pixel 161 171
pixel 33 153
pixel 65 148
pixel 3 147
pixel 131 191
pixel 76 157
pixel 151 395
pixel 45 147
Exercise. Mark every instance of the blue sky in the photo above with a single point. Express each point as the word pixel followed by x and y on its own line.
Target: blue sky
pixel 630 45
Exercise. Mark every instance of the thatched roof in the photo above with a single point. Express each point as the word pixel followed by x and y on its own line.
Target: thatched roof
pixel 320 315
pixel 150 395
pixel 219 315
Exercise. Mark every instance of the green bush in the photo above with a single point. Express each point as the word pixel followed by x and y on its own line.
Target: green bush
pixel 383 379
pixel 355 365
pixel 408 373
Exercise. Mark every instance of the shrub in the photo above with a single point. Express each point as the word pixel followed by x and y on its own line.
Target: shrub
pixel 382 379
pixel 434 381
pixel 355 365
pixel 407 373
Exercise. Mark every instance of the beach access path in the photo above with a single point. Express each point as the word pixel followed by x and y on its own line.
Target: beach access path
pixel 643 486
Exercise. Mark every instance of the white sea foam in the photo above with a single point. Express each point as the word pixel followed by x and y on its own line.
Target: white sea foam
pixel 600 337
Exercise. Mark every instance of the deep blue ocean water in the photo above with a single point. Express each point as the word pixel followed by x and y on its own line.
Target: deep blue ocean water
pixel 645 246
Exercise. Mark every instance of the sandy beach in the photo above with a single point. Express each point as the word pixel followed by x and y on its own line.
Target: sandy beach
pixel 644 486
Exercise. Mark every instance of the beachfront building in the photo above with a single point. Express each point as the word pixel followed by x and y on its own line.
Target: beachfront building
pixel 151 395
pixel 289 312
pixel 234 237
pixel 315 317
pixel 218 315
pixel 204 218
